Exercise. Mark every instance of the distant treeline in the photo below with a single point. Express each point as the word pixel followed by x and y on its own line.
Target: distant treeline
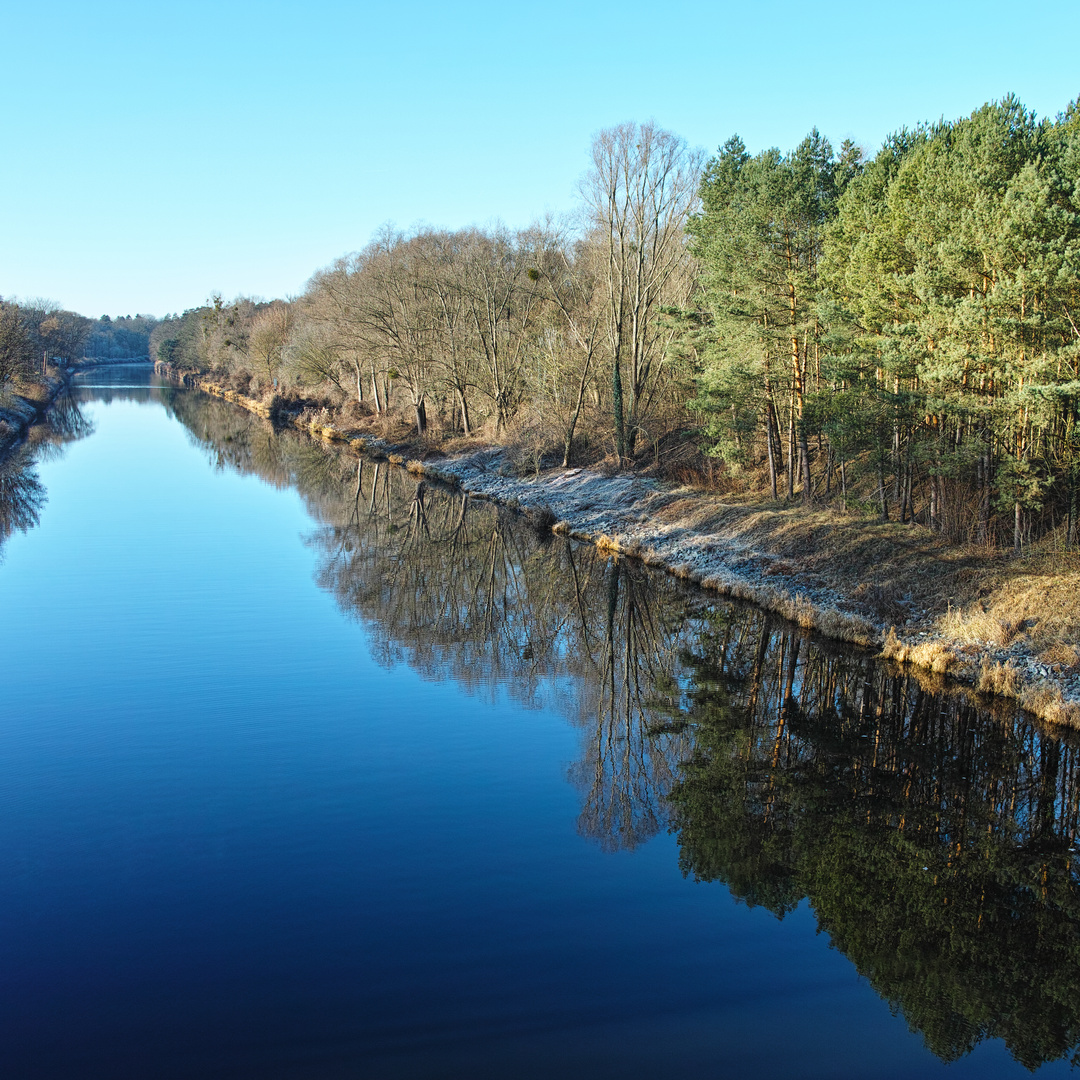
pixel 125 337
pixel 32 331
pixel 898 336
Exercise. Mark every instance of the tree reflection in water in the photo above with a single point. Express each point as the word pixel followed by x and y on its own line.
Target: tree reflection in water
pixel 22 494
pixel 932 837
pixel 931 833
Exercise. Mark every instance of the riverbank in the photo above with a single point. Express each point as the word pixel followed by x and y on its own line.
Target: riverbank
pixel 996 623
pixel 1001 625
pixel 22 411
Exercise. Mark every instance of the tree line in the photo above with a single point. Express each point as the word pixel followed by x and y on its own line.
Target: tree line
pixel 895 335
pixel 913 316
pixel 555 334
pixel 126 337
pixel 36 333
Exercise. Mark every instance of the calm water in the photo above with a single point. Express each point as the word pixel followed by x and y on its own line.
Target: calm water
pixel 310 770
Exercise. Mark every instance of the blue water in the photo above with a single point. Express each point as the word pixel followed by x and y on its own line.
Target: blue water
pixel 232 844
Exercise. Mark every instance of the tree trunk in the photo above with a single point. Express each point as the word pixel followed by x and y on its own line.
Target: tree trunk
pixel 568 440
pixel 984 498
pixel 798 396
pixel 772 431
pixel 617 410
pixel 791 452
pixel 769 443
pixel 898 480
pixel 631 423
pixel 375 390
pixel 1070 533
pixel 804 460
pixel 463 405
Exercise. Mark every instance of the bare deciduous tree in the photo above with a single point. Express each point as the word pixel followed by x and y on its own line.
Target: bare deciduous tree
pixel 269 335
pixel 15 347
pixel 571 345
pixel 639 192
pixel 502 304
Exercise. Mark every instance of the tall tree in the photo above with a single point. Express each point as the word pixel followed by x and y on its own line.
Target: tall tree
pixel 638 194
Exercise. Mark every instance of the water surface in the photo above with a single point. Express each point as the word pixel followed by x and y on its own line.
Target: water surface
pixel 312 769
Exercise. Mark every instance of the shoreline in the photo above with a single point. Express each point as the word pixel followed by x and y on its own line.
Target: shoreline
pixel 22 414
pixel 780 559
pixel 639 519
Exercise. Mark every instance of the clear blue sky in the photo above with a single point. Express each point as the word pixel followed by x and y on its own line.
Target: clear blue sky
pixel 155 153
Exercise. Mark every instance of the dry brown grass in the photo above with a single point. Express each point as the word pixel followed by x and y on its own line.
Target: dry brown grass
pixel 1047 701
pixel 845 627
pixel 1061 656
pixel 391 426
pixel 978 627
pixel 35 391
pixel 459 444
pixel 1041 609
pixel 896 563
pixel 896 572
pixel 541 518
pixel 779 566
pixel 998 678
pixel 934 655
